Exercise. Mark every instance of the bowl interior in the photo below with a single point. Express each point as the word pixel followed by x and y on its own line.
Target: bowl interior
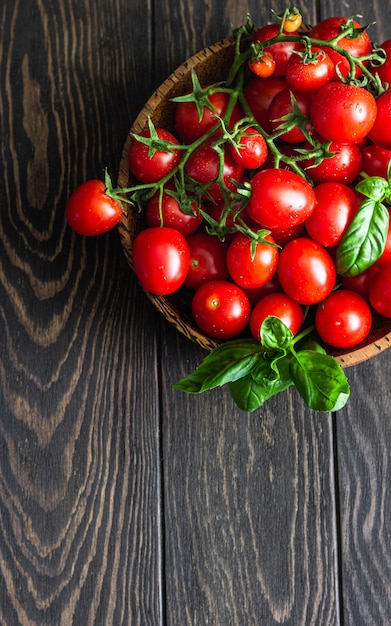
pixel 212 65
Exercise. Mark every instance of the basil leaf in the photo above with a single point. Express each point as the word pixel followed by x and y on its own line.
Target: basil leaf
pixel 374 187
pixel 320 380
pixel 224 364
pixel 275 334
pixel 364 240
pixel 250 394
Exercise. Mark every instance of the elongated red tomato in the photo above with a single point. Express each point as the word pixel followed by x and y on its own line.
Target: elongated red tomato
pixel 280 199
pixel 161 259
pixel 251 268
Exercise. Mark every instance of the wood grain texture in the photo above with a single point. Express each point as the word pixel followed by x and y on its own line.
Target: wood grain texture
pixel 79 463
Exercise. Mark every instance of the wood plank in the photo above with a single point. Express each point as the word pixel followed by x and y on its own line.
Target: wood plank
pixel 249 499
pixel 79 462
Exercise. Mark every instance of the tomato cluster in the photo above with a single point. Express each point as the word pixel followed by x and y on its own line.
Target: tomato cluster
pixel 261 200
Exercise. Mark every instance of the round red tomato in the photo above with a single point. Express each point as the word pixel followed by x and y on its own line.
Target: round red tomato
pixel 280 199
pixel 90 210
pixel 281 51
pixel 259 92
pixel 307 74
pixel 251 268
pixel 150 169
pixel 343 166
pixel 380 290
pixel 221 309
pixel 343 319
pixel 282 105
pixel 380 132
pixel 167 212
pixel 357 46
pixel 251 151
pixel 384 71
pixel 208 260
pixel 342 112
pixel 160 259
pixel 360 283
pixel 336 205
pixel 279 305
pixel 191 126
pixel 203 167
pixel 306 271
pixel 375 160
pixel 262 66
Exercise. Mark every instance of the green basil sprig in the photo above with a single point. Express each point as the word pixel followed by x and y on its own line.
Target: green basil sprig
pixel 365 239
pixel 257 370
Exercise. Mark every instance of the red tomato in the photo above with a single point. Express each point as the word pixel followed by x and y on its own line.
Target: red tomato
pixel 279 305
pixel 360 283
pixel 149 169
pixel 207 260
pixel 161 259
pixel 306 271
pixel 272 285
pixel 251 151
pixel 280 199
pixel 306 74
pixel 343 319
pixel 221 309
pixel 251 269
pixel 281 105
pixel 336 205
pixel 343 167
pixel 217 211
pixel 380 132
pixel 385 257
pixel 262 66
pixel 342 112
pixel 90 210
pixel 358 46
pixel 375 160
pixel 259 92
pixel 169 213
pixel 281 51
pixel 380 290
pixel 384 71
pixel 190 126
pixel 203 167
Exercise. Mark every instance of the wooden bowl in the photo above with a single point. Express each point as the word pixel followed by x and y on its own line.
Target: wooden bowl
pixel 212 65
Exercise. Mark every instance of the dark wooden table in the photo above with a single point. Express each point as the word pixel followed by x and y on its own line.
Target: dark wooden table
pixel 123 501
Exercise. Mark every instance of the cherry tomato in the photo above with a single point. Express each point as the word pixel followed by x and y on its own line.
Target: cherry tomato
pixel 251 268
pixel 385 257
pixel 272 286
pixel 380 132
pixel 281 51
pixel 221 309
pixel 360 283
pixel 191 126
pixel 203 167
pixel 167 212
pixel 384 71
pixel 259 92
pixel 292 21
pixel 161 259
pixel 343 166
pixel 305 74
pixel 336 205
pixel 343 319
pixel 262 66
pixel 344 113
pixel 280 199
pixel 380 290
pixel 282 105
pixel 306 271
pixel 90 210
pixel 279 305
pixel 251 150
pixel 149 169
pixel 358 46
pixel 375 160
pixel 208 260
